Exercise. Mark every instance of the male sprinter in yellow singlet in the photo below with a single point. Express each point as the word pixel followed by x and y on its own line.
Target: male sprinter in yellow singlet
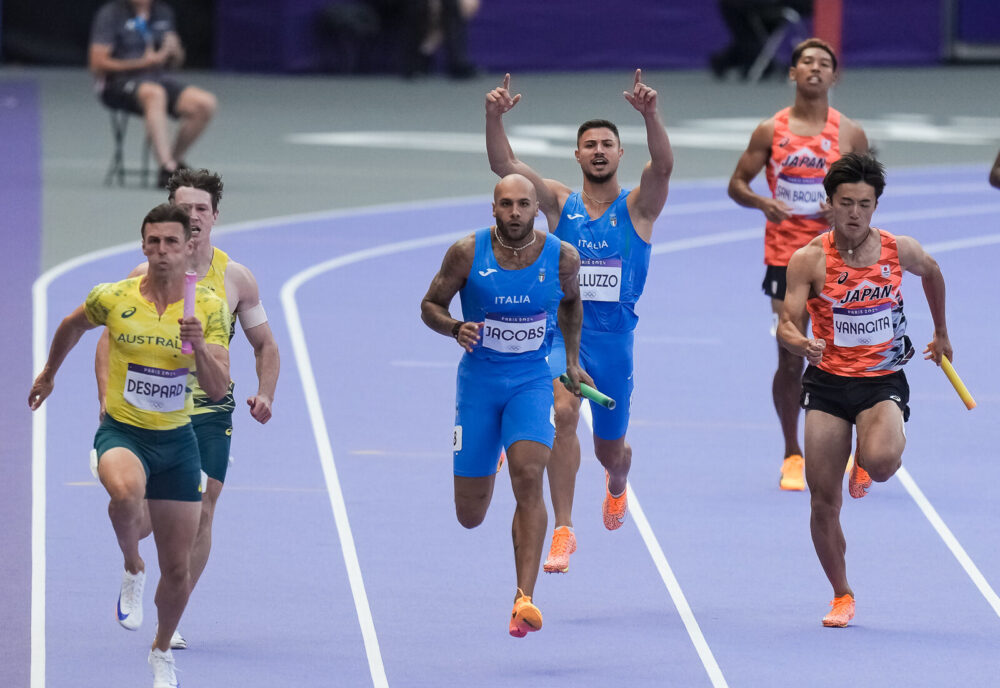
pixel 797 146
pixel 198 192
pixel 848 281
pixel 146 445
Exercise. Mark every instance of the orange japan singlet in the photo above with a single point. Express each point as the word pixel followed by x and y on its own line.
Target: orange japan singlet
pixel 860 314
pixel 795 176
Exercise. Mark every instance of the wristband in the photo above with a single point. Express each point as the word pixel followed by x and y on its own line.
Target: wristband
pixel 456 327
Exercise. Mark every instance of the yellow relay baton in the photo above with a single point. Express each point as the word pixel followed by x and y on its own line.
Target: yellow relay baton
pixel 957 383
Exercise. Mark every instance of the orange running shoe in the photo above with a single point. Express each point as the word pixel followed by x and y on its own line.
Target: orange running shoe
pixel 526 617
pixel 850 464
pixel 503 457
pixel 792 473
pixel 859 482
pixel 842 611
pixel 563 545
pixel 614 508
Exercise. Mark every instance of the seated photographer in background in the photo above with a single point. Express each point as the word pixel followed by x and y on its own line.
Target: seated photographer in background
pixel 133 45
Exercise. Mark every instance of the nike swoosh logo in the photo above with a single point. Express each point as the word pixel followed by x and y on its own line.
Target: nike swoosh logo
pixel 574 216
pixel 121 617
pixel 487 272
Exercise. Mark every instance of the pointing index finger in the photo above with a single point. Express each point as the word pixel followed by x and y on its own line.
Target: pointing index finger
pixel 506 80
pixel 638 77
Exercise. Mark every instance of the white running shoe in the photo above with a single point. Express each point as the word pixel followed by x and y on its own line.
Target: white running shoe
pixel 164 671
pixel 177 641
pixel 130 600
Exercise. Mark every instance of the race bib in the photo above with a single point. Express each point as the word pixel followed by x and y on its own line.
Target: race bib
pixel 600 279
pixel 802 194
pixel 862 326
pixel 513 334
pixel 154 389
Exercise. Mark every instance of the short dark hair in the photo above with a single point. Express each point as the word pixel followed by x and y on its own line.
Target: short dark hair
pixel 202 179
pixel 166 212
pixel 597 124
pixel 853 168
pixel 813 43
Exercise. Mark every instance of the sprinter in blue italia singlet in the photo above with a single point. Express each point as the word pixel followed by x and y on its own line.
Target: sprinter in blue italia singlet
pixel 614 261
pixel 515 284
pixel 612 229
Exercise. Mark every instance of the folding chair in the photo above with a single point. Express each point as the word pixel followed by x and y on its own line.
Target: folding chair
pixel 787 21
pixel 117 168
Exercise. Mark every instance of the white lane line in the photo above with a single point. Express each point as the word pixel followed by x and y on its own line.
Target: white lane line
pixel 39 291
pixel 322 435
pixel 669 579
pixel 964 560
pixel 949 539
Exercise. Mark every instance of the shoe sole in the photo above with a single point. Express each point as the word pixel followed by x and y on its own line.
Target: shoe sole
pixel 858 489
pixel 552 567
pixel 612 522
pixel 522 626
pixel 834 624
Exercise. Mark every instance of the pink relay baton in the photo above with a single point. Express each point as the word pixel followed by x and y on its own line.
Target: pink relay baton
pixel 190 280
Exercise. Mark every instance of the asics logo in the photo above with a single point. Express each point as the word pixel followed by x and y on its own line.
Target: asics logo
pixel 574 216
pixel 487 272
pixel 129 313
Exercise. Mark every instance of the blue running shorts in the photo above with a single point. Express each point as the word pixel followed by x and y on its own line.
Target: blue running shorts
pixel 497 404
pixel 607 357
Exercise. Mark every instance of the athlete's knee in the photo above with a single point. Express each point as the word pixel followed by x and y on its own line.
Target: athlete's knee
pixel 209 498
pixel 526 480
pixel 469 517
pixel 824 505
pixel 176 572
pixel 612 453
pixel 123 489
pixel 471 506
pixel 881 465
pixel 206 518
pixel 567 415
pixel 789 363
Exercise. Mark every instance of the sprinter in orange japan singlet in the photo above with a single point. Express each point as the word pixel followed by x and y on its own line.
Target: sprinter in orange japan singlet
pixel 796 147
pixel 848 282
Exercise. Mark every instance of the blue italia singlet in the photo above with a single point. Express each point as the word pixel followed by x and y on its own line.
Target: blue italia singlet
pixel 515 306
pixel 614 261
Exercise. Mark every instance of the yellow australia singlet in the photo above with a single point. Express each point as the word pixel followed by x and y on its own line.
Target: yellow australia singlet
pixel 215 279
pixel 148 377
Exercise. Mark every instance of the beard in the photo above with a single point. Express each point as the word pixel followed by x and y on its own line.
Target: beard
pixel 519 235
pixel 598 178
